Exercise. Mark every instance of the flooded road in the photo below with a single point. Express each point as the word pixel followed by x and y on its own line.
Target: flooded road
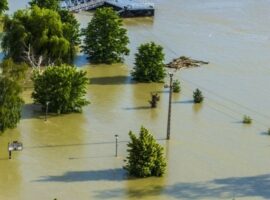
pixel 211 155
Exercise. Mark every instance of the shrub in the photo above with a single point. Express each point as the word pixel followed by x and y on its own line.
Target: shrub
pixel 145 156
pixel 176 86
pixel 63 86
pixel 247 119
pixel 197 96
pixel 154 99
pixel 268 132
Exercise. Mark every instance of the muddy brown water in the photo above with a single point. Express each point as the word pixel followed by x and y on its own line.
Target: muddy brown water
pixel 211 155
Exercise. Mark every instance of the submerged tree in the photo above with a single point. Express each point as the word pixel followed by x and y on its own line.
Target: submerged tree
pixel 176 86
pixel 145 156
pixel 247 119
pixel 154 100
pixel 105 38
pixel 10 90
pixel 49 4
pixel 64 87
pixel 13 71
pixel 197 96
pixel 71 26
pixel 3 6
pixel 71 31
pixel 149 66
pixel 10 103
pixel 38 36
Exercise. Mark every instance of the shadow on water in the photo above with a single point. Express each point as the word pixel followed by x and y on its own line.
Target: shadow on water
pixel 163 92
pixel 30 111
pixel 184 102
pixel 81 176
pixel 72 145
pixel 79 144
pixel 265 133
pixel 228 188
pixel 111 80
pixel 90 157
pixel 138 108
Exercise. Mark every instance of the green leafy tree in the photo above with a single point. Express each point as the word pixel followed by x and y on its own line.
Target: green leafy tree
pixel 3 6
pixel 149 66
pixel 13 71
pixel 71 27
pixel 49 4
pixel 105 38
pixel 64 87
pixel 10 103
pixel 197 96
pixel 10 90
pixel 37 36
pixel 145 156
pixel 71 31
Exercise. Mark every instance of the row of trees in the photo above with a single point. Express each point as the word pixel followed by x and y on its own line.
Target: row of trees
pixel 46 35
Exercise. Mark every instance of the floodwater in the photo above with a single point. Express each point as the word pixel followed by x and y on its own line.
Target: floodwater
pixel 211 154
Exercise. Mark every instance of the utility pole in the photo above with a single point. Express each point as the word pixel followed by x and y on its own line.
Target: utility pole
pixel 116 145
pixel 170 107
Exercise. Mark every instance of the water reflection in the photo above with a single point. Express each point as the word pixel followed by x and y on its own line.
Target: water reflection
pixel 197 107
pixel 80 60
pixel 145 188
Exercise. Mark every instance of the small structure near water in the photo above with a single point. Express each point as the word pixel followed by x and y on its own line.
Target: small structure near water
pixel 125 8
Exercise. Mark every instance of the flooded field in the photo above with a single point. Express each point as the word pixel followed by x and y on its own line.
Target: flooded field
pixel 211 154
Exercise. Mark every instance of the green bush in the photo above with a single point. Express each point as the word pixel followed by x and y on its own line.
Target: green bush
pixel 197 96
pixel 247 119
pixel 62 86
pixel 145 156
pixel 149 66
pixel 268 132
pixel 176 86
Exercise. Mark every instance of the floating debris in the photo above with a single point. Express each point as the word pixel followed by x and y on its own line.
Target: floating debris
pixel 185 62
